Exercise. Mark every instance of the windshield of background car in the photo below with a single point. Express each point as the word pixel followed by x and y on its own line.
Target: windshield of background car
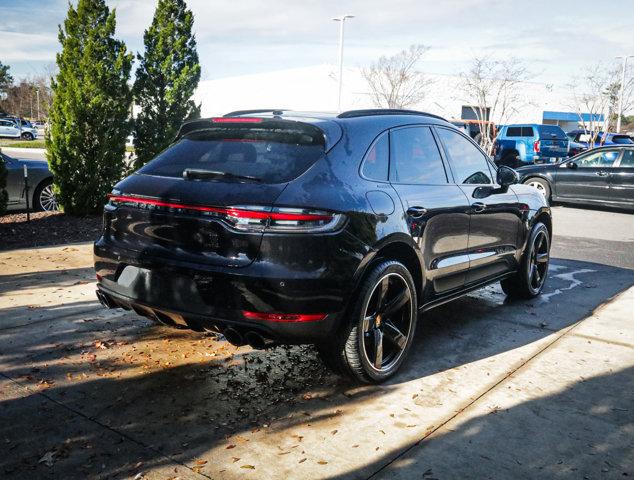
pixel 273 155
pixel 552 131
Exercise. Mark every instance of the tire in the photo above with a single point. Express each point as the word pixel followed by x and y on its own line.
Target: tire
pixel 371 326
pixel 27 136
pixel 44 197
pixel 540 184
pixel 529 280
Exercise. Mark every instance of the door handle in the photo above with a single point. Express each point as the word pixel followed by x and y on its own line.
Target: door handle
pixel 602 174
pixel 478 206
pixel 416 212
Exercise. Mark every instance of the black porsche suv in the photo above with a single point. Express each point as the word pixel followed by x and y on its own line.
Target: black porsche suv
pixel 336 230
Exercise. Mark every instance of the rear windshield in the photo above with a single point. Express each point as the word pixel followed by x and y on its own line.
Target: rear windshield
pixel 622 139
pixel 271 155
pixel 552 131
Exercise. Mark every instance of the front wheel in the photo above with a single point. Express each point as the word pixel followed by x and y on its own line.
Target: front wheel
pixel 27 136
pixel 541 185
pixel 378 331
pixel 529 280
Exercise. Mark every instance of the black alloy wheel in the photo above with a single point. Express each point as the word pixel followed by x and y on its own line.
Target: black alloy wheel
pixel 387 322
pixel 377 332
pixel 529 280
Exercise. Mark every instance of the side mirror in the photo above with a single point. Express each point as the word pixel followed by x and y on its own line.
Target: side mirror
pixel 571 165
pixel 507 176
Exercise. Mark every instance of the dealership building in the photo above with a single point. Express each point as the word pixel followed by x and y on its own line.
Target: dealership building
pixel 315 88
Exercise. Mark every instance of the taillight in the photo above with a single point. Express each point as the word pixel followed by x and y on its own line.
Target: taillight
pixel 536 146
pixel 284 317
pixel 282 219
pixel 236 120
pixel 249 218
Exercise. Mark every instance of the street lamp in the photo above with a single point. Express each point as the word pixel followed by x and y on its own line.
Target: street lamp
pixel 620 113
pixel 341 19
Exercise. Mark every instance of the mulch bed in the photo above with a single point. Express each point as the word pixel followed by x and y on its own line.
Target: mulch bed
pixel 46 228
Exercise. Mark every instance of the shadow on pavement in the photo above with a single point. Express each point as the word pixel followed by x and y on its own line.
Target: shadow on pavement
pixel 109 392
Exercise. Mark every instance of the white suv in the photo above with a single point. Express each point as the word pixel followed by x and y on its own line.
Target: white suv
pixel 17 128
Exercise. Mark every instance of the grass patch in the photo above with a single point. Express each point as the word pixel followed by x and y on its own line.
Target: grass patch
pixel 39 143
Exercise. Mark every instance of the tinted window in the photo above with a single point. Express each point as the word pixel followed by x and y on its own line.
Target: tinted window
pixel 601 159
pixel 414 157
pixel 551 131
pixel 375 164
pixel 527 132
pixel 628 159
pixel 468 162
pixel 514 132
pixel 272 155
pixel 622 139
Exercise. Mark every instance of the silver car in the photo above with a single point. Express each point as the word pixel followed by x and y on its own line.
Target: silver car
pixel 41 194
pixel 14 127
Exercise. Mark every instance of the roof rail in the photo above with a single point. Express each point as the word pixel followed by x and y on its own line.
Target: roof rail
pixel 384 111
pixel 274 111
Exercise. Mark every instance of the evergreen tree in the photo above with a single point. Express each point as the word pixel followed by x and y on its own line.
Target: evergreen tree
pixel 6 80
pixel 89 116
pixel 166 78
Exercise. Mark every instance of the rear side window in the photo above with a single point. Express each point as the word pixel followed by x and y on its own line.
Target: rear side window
pixel 469 164
pixel 552 131
pixel 519 132
pixel 376 161
pixel 628 159
pixel 415 158
pixel 271 155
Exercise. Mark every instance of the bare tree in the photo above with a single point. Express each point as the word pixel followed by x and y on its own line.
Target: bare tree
pixel 594 98
pixel 395 82
pixel 491 88
pixel 22 97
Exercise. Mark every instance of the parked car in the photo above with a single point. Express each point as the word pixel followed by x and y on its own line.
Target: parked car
pixel 602 176
pixel 518 145
pixel 42 196
pixel 336 230
pixel 602 139
pixel 14 127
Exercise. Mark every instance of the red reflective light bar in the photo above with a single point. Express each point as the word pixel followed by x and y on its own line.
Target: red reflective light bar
pixel 284 317
pixel 236 120
pixel 232 212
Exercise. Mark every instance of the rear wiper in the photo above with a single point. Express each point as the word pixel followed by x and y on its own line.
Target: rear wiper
pixel 193 174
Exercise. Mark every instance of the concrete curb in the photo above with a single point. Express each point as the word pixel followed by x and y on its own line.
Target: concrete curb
pixel 22 150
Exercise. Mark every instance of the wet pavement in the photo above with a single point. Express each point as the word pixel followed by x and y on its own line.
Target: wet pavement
pixel 492 388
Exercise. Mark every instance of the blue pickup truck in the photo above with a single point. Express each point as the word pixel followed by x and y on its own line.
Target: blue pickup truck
pixel 525 144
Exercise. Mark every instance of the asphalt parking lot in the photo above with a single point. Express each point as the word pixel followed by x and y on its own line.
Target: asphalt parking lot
pixel 492 388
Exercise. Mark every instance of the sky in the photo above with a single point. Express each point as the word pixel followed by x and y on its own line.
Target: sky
pixel 556 39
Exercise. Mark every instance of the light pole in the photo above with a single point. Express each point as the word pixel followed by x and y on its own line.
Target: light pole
pixel 37 93
pixel 620 112
pixel 342 20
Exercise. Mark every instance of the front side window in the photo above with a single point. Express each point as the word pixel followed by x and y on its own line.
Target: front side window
pixel 601 159
pixel 415 158
pixel 376 163
pixel 469 164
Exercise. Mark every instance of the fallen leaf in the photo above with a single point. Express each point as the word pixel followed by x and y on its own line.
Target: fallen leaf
pixel 322 462
pixel 47 459
pixel 302 460
pixel 334 432
pixel 201 462
pixel 229 447
pixel 249 467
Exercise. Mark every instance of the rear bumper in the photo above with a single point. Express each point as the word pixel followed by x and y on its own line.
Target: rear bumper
pixel 205 297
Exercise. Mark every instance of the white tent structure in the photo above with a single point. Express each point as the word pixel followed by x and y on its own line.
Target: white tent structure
pixel 314 88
